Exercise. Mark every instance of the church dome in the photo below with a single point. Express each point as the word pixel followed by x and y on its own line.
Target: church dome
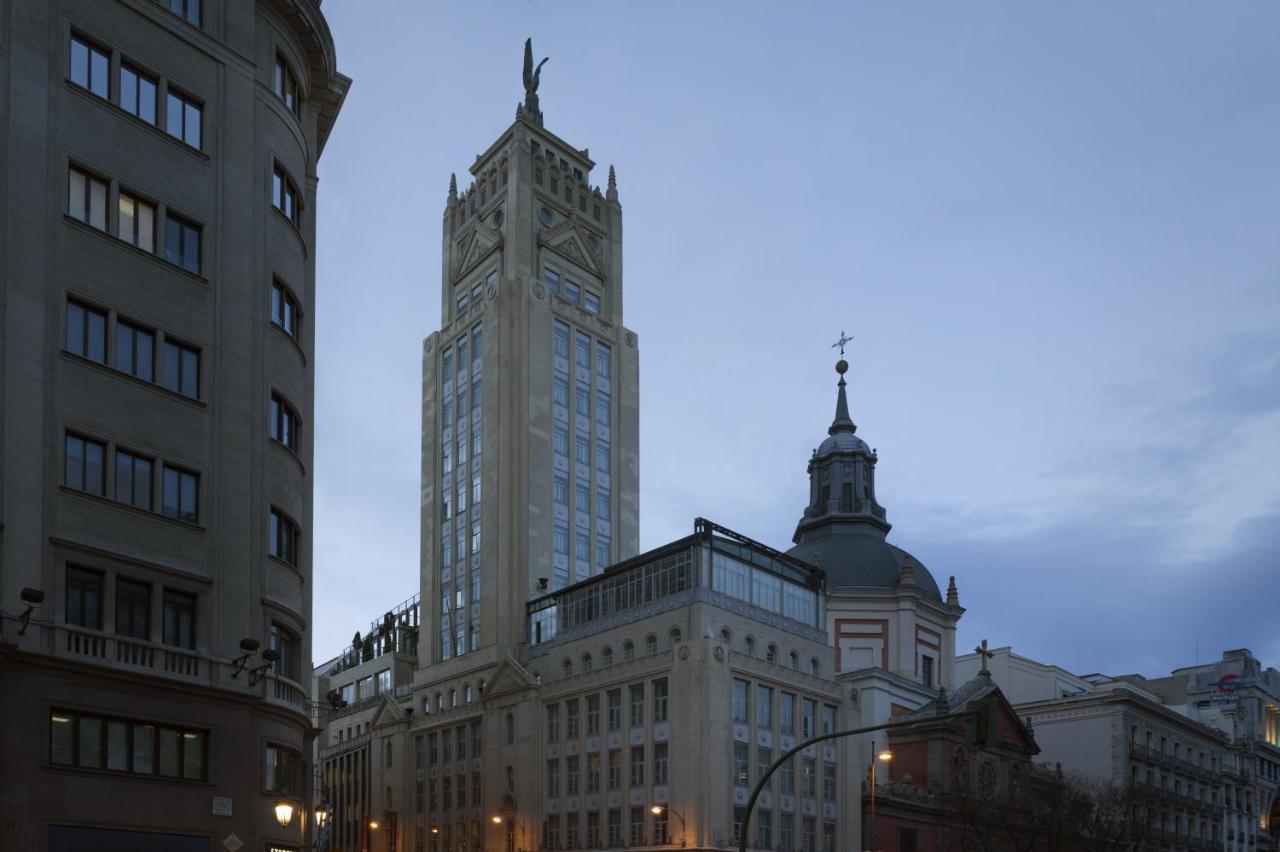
pixel 843 528
pixel 862 559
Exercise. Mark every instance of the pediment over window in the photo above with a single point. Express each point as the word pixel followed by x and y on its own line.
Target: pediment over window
pixel 474 249
pixel 575 245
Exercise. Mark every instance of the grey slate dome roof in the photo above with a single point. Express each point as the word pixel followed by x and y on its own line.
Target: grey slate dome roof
pixel 842 442
pixel 856 555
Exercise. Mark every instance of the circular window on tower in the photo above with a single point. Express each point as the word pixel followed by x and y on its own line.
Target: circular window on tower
pixel 545 216
pixel 497 219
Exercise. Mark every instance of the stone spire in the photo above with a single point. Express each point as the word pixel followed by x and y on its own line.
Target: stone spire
pixel 453 188
pixel 612 194
pixel 842 423
pixel 943 707
pixel 908 575
pixel 953 596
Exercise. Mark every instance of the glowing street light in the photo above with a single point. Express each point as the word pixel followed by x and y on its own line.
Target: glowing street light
pixel 284 813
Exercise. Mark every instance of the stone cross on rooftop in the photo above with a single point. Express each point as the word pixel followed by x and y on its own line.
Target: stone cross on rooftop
pixel 983 656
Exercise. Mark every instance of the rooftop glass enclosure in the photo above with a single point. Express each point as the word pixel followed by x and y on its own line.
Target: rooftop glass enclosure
pixel 712 565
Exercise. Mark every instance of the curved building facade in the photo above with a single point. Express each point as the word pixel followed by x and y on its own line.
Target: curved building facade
pixel 156 377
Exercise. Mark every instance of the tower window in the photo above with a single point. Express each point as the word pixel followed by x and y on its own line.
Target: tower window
pixel 846 497
pixel 285 84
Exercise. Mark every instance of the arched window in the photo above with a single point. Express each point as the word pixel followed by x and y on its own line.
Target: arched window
pixel 749 646
pixel 651 644
pixel 628 650
pixel 795 661
pixel 772 654
pixel 439 702
pixel 814 668
pixel 567 667
pixel 586 663
pixel 606 656
pixel 466 693
pixel 453 699
pixel 675 636
pixel 511 729
pixel 725 636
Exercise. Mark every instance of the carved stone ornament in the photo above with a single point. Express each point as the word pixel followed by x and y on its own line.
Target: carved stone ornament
pixel 538 292
pixel 491 293
pixel 684 652
pixel 431 345
pixel 631 339
pixel 719 654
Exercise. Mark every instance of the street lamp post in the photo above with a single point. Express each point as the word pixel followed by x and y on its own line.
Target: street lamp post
pixel 790 753
pixel 885 756
pixel 658 809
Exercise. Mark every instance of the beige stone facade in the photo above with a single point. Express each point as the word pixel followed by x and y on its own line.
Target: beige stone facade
pixel 158 165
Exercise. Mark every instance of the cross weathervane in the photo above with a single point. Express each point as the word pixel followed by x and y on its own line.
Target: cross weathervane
pixel 984 655
pixel 841 342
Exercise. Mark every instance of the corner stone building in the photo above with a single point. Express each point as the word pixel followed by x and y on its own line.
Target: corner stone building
pixel 158 241
pixel 551 689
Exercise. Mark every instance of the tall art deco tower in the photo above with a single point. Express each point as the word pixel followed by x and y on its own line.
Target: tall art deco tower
pixel 530 394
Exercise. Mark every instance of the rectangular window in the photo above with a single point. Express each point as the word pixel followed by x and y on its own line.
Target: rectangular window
pixel 571 718
pixel 553 778
pixel 582 401
pixel 553 723
pixel 828 719
pixel 571 776
pixel 189 10
pixel 808 778
pixel 603 409
pixel 571 291
pixel 135 350
pixel 615 710
pixel 787 772
pixel 284 195
pixel 808 709
pixel 615 770
pixel 87 198
pixel 285 84
pixel 602 457
pixel 614 837
pixel 284 423
pixel 181 494
pixel 637 766
pixel 560 441
pixel 660 763
pixel 637 826
pixel 741 768
pixel 582 449
pixel 593 715
pixel 560 391
pixel 593 773
pixel 560 540
pixel 764 705
pixel 138 93
pixel 136 223
pixel 179 619
pixel 786 831
pixel 741 706
pixel 660 701
pixel 86 465
pixel 551 278
pixel 84 598
pixel 183 118
pixel 284 309
pixel 828 782
pixel 764 829
pixel 182 243
pixel 181 369
pixel 926 670
pixel 637 705
pixel 133 609
pixel 603 554
pixel 93 742
pixel 560 491
pixel 604 361
pixel 582 351
pixel 90 67
pixel 809 839
pixel 133 479
pixel 86 332
pixel 786 713
pixel 284 771
pixel 282 538
pixel 288 645
pixel 591 302
pixel 581 546
pixel 603 505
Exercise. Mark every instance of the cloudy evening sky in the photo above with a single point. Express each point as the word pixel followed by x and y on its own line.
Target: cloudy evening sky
pixel 1052 229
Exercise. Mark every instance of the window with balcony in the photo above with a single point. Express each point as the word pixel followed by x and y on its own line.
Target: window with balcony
pixel 133 609
pixel 83 597
pixel 179 611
